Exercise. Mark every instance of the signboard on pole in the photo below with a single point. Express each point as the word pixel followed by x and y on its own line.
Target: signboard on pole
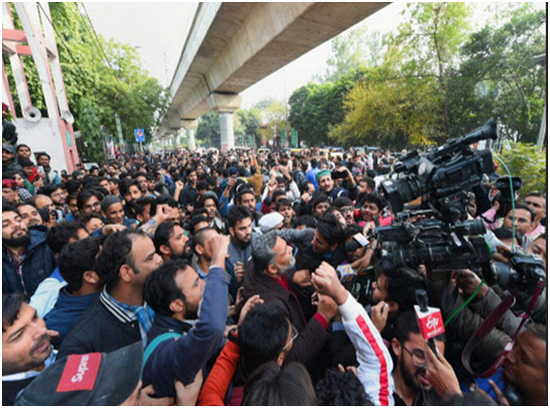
pixel 140 135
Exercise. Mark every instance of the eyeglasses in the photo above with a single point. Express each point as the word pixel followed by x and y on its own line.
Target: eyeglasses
pixel 292 338
pixel 347 209
pixel 418 357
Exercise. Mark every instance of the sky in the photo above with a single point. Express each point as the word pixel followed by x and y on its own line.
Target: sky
pixel 159 30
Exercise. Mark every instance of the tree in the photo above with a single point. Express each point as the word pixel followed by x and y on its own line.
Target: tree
pixel 208 131
pixel 91 130
pixel 526 161
pixel 114 83
pixel 499 77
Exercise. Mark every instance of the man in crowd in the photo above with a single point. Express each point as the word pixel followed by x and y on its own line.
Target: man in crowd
pixel 174 292
pixel 120 317
pixel 273 259
pixel 26 345
pixel 50 176
pixel 26 258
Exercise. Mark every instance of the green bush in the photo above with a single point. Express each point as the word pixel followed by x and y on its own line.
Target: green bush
pixel 525 160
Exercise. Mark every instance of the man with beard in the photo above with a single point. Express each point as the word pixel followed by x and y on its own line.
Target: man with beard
pixel 131 191
pixel 240 228
pixel 26 258
pixel 29 214
pixel 57 195
pixel 170 241
pixel 177 294
pixel 273 260
pixel 26 347
pixel 409 374
pixel 526 363
pixel 119 317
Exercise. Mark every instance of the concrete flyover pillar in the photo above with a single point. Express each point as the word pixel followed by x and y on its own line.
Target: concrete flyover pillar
pixel 225 105
pixel 190 125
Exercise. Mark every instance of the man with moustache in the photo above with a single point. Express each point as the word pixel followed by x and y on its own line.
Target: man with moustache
pixel 26 347
pixel 273 260
pixel 26 258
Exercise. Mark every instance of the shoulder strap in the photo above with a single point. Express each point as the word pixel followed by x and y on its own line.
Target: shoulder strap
pixel 155 343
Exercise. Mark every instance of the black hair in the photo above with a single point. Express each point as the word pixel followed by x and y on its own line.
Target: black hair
pixel 202 185
pixel 87 217
pixel 39 155
pixel 48 189
pixel 318 199
pixel 195 220
pixel 370 182
pixel 306 220
pixel 283 202
pixel 160 288
pixel 141 202
pixel 126 184
pixel 273 385
pixel 162 234
pixel 73 186
pixel 24 162
pixel 76 259
pixel 351 230
pixel 11 306
pixel 115 253
pixel 375 199
pixel 237 213
pixel 523 206
pixel 199 238
pixel 341 202
pixel 85 195
pixel 114 181
pixel 402 284
pixel 58 237
pixel 277 193
pixel 330 229
pixel 239 196
pixel 262 335
pixel 341 389
pixel 505 233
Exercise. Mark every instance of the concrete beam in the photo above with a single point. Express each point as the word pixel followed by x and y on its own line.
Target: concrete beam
pixel 242 43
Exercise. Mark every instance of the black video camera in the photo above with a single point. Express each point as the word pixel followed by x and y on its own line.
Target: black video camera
pixel 506 194
pixel 444 174
pixel 522 273
pixel 433 243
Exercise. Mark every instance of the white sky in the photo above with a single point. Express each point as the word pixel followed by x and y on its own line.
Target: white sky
pixel 158 30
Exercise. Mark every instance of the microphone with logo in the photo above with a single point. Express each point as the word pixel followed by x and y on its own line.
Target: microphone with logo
pixel 429 319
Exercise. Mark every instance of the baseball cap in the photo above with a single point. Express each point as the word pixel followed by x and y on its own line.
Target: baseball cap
pixel 8 147
pixel 87 379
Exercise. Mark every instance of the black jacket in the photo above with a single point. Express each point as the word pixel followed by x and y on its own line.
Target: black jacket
pixel 98 330
pixel 38 264
pixel 312 336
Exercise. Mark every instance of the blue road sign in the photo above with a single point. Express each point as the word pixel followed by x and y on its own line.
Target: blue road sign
pixel 140 135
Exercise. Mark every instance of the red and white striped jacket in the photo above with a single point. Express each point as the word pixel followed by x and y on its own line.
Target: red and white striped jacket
pixel 375 362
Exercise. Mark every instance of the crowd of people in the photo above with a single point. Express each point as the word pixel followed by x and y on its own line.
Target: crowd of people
pixel 223 279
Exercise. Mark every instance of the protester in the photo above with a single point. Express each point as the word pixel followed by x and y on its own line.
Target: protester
pixel 267 278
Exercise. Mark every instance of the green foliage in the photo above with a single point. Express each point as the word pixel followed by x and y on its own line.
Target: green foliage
pixel 526 161
pixel 438 80
pixel 499 77
pixel 208 131
pixel 114 84
pixel 91 132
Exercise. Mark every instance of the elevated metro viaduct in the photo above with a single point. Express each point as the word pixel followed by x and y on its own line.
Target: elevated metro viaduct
pixel 232 46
